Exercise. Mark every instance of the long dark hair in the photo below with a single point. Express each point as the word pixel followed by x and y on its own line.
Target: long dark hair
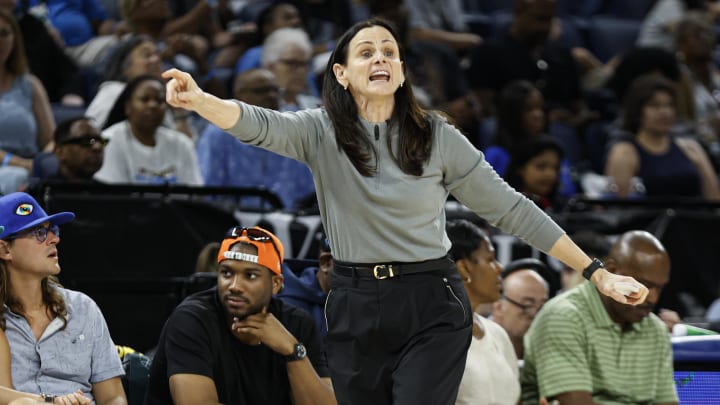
pixel 16 62
pixel 512 104
pixel 50 296
pixel 413 122
pixel 117 113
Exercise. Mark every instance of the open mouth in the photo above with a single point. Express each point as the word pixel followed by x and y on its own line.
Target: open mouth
pixel 380 75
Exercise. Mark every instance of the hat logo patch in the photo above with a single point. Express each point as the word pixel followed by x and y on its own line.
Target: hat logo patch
pixel 24 209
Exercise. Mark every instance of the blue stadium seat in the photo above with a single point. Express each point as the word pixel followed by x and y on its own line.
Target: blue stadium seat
pixel 610 36
pixel 62 112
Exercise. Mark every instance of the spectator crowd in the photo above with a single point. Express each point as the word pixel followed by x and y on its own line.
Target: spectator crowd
pixel 615 99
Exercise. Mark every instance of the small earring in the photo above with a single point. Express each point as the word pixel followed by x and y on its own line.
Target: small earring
pixel 401 84
pixel 468 279
pixel 345 87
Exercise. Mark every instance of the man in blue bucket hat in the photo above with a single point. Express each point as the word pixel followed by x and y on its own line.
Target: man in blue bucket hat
pixel 59 341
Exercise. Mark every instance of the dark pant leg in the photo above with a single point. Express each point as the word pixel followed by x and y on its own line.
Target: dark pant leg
pixel 357 366
pixel 431 367
pixel 381 331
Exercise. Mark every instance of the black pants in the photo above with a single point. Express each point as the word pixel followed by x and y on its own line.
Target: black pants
pixel 400 341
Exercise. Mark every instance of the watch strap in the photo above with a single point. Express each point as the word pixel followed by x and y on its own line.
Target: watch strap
pixel 592 268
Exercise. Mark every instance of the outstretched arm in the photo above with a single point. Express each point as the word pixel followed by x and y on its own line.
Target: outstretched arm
pixel 183 92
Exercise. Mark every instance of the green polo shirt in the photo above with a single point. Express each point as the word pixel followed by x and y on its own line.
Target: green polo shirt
pixel 573 345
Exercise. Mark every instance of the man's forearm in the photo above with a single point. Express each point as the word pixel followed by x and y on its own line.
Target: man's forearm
pixel 307 388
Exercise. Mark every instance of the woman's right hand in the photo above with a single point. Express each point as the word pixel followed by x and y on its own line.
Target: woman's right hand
pixel 182 91
pixel 622 289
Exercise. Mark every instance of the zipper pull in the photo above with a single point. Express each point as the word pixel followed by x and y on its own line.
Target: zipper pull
pixel 377 133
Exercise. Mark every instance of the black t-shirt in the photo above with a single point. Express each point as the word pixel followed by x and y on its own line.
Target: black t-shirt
pixel 495 64
pixel 197 340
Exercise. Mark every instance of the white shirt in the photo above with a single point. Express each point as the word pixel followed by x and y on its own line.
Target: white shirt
pixel 172 160
pixel 491 371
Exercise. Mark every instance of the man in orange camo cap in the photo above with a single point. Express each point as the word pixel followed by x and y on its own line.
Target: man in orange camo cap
pixel 235 343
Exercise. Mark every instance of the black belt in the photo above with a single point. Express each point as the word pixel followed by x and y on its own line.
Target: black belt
pixel 382 271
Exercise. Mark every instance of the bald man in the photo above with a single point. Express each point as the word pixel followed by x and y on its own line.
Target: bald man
pixel 524 293
pixel 585 349
pixel 258 87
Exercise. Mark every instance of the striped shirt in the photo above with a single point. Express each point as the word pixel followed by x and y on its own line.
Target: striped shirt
pixel 573 345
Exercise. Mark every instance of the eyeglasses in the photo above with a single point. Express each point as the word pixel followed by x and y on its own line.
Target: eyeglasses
pixel 527 309
pixel 87 141
pixel 40 233
pixel 256 235
pixel 294 63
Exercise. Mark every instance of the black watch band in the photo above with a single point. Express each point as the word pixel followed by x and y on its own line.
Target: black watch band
pixel 592 268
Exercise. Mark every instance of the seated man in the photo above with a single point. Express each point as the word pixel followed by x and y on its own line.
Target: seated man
pixel 234 343
pixel 59 341
pixel 77 155
pixel 585 349
pixel 524 293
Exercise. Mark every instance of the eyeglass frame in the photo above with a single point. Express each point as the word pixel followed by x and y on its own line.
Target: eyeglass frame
pixel 86 141
pixel 526 308
pixel 40 233
pixel 260 236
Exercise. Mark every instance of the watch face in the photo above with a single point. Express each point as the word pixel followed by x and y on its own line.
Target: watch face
pixel 300 351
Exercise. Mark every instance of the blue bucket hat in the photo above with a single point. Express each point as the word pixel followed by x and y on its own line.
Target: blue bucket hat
pixel 19 211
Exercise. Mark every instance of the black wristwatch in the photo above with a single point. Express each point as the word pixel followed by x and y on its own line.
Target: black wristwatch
pixel 592 268
pixel 48 398
pixel 298 354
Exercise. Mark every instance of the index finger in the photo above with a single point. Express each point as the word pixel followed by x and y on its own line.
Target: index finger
pixel 173 74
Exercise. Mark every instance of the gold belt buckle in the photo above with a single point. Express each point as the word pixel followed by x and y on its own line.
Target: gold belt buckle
pixel 389 274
